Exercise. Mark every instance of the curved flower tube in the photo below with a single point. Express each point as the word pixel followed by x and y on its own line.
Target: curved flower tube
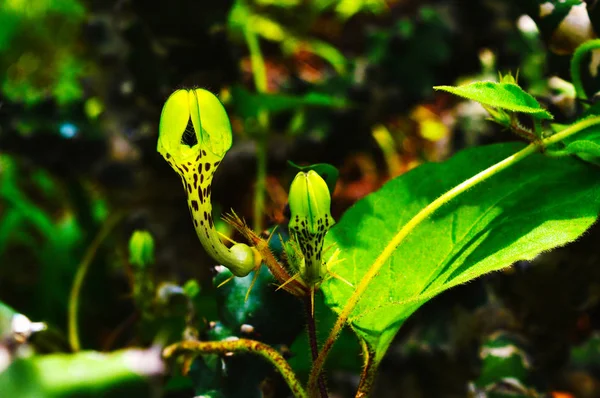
pixel 196 163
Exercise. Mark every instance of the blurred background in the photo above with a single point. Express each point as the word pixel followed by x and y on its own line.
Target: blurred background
pixel 347 82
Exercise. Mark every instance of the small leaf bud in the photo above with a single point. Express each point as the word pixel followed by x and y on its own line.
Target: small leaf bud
pixel 141 249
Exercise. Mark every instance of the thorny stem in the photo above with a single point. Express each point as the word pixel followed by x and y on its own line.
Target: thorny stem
pixel 82 270
pixel 259 72
pixel 312 340
pixel 423 215
pixel 238 347
pixel 576 60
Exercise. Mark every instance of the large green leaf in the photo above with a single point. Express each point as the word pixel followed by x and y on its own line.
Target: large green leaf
pixel 536 205
pixel 507 96
pixel 126 373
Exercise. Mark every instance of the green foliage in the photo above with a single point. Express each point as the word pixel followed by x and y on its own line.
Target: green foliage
pixel 506 96
pixel 411 65
pixel 39 51
pixel 584 148
pixel 247 308
pixel 485 229
pixel 345 355
pixel 86 375
pixel 257 307
pixel 6 315
pixel 587 353
pixel 249 104
pixel 506 368
pixel 343 8
pixel 334 79
pixel 243 17
pixel 52 242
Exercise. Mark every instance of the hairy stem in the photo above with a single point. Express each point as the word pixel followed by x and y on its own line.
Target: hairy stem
pixel 423 215
pixel 281 274
pixel 576 61
pixel 82 270
pixel 241 346
pixel 259 72
pixel 367 377
pixel 312 340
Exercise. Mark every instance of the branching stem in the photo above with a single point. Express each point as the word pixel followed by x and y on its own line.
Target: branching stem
pixel 238 347
pixel 423 215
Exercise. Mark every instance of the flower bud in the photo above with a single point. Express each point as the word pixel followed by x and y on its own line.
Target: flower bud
pixel 141 249
pixel 310 220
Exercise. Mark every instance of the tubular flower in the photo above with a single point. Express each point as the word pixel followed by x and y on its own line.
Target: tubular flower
pixel 194 135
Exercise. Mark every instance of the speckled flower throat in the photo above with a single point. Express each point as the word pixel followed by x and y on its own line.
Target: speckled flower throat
pixel 196 164
pixel 197 179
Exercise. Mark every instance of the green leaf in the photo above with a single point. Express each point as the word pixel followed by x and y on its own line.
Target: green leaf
pixel 587 354
pixel 251 314
pixel 85 375
pixel 243 17
pixel 505 96
pixel 504 363
pixel 345 354
pixel 536 205
pixel 328 172
pixel 249 104
pixel 585 144
pixel 347 8
pixel 6 315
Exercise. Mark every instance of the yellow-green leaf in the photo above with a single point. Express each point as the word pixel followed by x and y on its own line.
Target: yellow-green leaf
pixel 507 96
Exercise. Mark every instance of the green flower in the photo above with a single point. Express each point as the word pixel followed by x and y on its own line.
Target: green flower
pixel 310 203
pixel 194 135
pixel 211 127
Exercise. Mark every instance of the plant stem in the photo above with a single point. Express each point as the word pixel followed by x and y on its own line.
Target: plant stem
pixel 576 60
pixel 280 273
pixel 241 346
pixel 420 217
pixel 259 72
pixel 312 339
pixel 367 377
pixel 82 270
pixel 261 179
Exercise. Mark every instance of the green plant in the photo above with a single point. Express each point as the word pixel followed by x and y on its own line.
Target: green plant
pixel 424 232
